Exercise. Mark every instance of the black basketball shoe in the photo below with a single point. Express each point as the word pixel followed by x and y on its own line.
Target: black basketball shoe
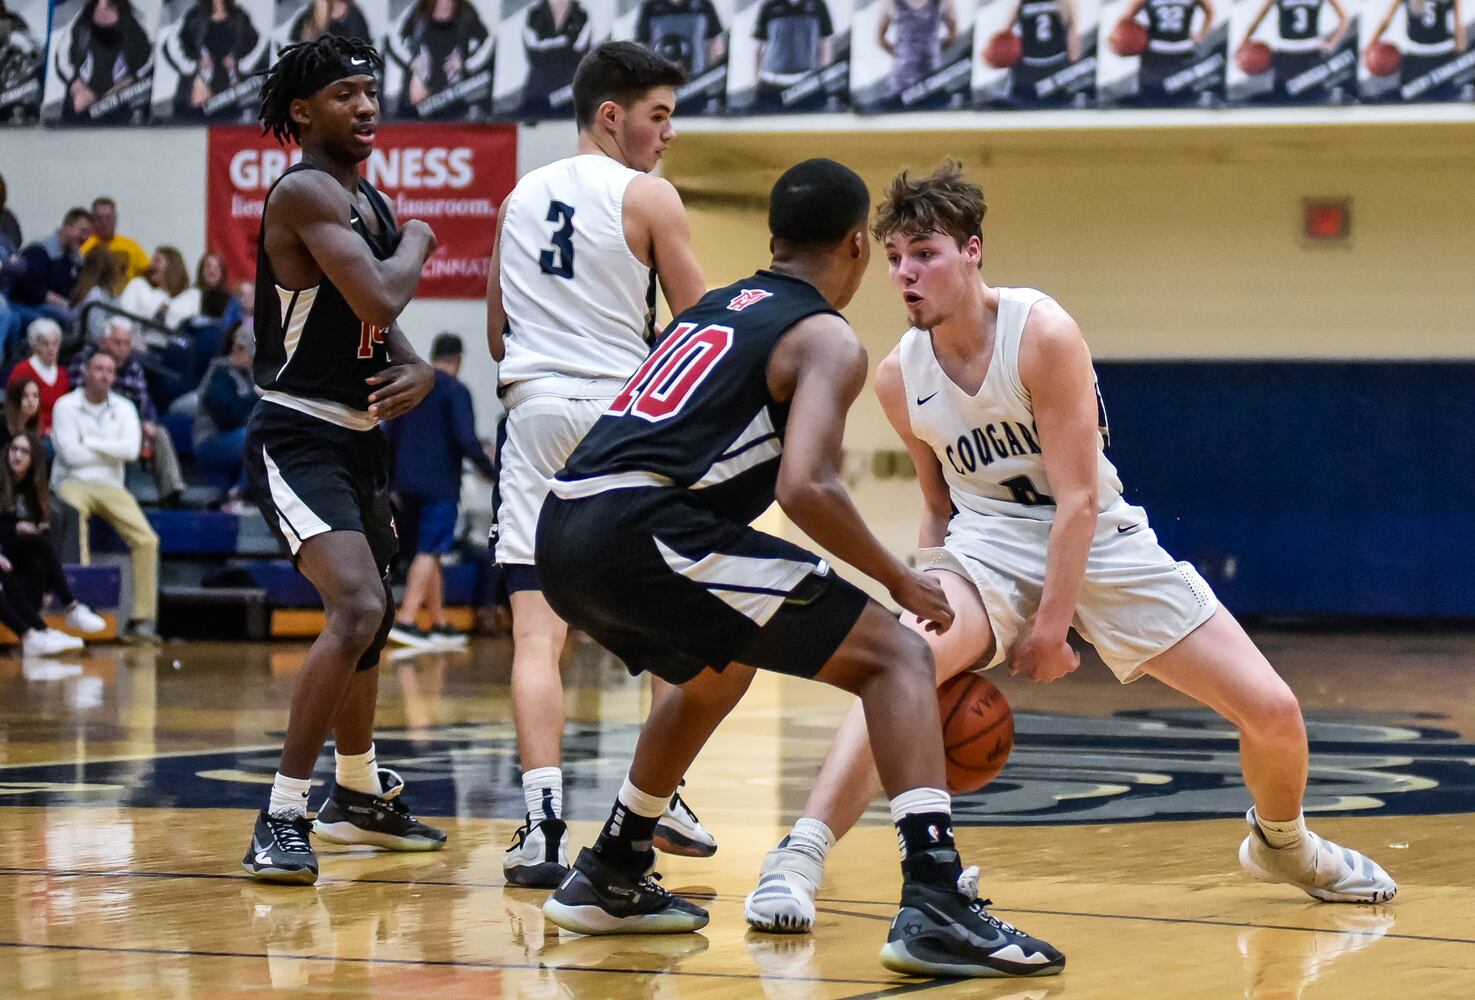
pixel 597 898
pixel 281 850
pixel 538 857
pixel 945 931
pixel 350 817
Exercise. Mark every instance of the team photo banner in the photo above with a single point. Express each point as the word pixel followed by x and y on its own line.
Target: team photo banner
pixel 454 177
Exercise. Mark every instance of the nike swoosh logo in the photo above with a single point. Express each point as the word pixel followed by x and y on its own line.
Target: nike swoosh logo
pixel 358 62
pixel 923 399
pixel 1123 529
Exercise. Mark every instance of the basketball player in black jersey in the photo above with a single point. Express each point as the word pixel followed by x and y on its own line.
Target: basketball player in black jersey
pixel 1048 42
pixel 1298 44
pixel 1172 46
pixel 1436 34
pixel 645 544
pixel 333 273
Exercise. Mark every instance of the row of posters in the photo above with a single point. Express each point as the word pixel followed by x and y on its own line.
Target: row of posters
pixel 129 61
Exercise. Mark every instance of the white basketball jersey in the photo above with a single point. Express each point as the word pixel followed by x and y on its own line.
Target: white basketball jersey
pixel 578 302
pixel 987 443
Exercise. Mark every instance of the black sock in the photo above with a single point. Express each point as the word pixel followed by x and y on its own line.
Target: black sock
pixel 929 854
pixel 625 841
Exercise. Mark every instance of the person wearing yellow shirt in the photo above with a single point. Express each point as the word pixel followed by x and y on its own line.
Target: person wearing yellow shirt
pixel 105 233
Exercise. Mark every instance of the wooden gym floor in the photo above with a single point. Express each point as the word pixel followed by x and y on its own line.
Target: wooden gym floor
pixel 127 781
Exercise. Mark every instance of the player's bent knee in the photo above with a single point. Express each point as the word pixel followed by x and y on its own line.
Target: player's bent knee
pixel 358 615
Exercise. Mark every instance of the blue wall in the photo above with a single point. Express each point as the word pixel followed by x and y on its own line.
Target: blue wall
pixel 1306 488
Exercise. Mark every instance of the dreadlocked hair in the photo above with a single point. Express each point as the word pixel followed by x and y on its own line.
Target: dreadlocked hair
pixel 290 78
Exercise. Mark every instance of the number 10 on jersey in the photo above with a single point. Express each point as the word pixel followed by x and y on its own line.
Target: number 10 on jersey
pixel 661 386
pixel 369 337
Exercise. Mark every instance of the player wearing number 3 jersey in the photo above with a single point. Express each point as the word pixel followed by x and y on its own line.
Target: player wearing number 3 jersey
pixel 570 314
pixel 1024 525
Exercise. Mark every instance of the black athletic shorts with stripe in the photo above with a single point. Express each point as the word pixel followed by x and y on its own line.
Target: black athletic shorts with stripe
pixel 310 476
pixel 672 588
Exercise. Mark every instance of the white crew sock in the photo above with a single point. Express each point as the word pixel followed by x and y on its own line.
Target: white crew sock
pixel 1282 835
pixel 642 803
pixel 359 771
pixel 812 837
pixel 921 800
pixel 288 796
pixel 542 792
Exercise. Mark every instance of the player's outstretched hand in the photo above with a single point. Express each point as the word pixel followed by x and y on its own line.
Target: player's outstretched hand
pixel 421 230
pixel 1042 659
pixel 923 596
pixel 401 387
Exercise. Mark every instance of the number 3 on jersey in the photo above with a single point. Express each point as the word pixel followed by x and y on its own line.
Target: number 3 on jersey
pixel 661 386
pixel 558 260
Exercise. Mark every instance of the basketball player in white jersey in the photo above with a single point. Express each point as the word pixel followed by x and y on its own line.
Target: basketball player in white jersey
pixel 570 313
pixel 993 393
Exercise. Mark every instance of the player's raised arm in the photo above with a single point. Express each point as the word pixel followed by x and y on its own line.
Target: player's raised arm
pixel 314 208
pixel 937 506
pixel 821 367
pixel 1055 368
pixel 657 219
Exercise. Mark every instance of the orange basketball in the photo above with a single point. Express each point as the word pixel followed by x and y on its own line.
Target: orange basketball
pixel 1383 59
pixel 1254 57
pixel 977 731
pixel 1003 50
pixel 1129 37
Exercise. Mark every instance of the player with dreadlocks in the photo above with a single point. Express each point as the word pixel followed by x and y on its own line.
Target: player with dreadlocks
pixel 333 272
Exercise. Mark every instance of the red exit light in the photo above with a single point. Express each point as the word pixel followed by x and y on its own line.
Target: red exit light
pixel 1327 220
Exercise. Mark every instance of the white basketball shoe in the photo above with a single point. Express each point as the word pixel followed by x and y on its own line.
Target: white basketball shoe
pixel 679 832
pixel 1318 867
pixel 783 901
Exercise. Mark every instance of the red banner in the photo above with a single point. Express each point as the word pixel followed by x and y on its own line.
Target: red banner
pixel 452 176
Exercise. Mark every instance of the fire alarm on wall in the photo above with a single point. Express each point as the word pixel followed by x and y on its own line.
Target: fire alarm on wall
pixel 1326 220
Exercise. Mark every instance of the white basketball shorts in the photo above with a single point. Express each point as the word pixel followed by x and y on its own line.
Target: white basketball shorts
pixel 1136 600
pixel 546 419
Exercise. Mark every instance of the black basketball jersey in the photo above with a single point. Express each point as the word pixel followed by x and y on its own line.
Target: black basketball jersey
pixel 1041 30
pixel 309 342
pixel 1170 20
pixel 1299 19
pixel 1430 22
pixel 698 411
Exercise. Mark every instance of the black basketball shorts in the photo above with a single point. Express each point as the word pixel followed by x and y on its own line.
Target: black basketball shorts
pixel 672 588
pixel 310 476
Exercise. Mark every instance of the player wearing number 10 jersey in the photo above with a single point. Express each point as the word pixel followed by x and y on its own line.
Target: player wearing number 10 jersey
pixel 570 312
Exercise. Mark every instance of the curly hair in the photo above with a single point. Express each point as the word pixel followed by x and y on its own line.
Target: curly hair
pixel 944 202
pixel 300 71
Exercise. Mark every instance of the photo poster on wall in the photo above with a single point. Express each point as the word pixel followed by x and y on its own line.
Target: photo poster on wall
pixel 789 55
pixel 539 45
pixel 308 20
pixel 1162 53
pixel 1035 53
pixel 1416 51
pixel 438 60
pixel 206 59
pixel 692 34
pixel 24 27
pixel 911 55
pixel 1292 52
pixel 101 63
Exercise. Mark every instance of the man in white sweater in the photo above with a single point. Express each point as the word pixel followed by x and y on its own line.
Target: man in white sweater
pixel 96 432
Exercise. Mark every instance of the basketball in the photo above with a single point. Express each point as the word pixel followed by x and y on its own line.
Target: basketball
pixel 1383 59
pixel 1003 50
pixel 977 731
pixel 1129 38
pixel 1253 57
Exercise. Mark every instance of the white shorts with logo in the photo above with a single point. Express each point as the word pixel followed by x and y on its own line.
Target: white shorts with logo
pixel 546 419
pixel 1136 600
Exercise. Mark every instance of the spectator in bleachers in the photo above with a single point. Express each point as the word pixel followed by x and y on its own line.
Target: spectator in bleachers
pixel 154 294
pixel 227 397
pixel 96 433
pixel 22 409
pixel 43 368
pixel 101 281
pixel 25 533
pixel 131 383
pixel 427 446
pixel 18 615
pixel 131 255
pixel 41 282
pixel 211 309
pixel 10 244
